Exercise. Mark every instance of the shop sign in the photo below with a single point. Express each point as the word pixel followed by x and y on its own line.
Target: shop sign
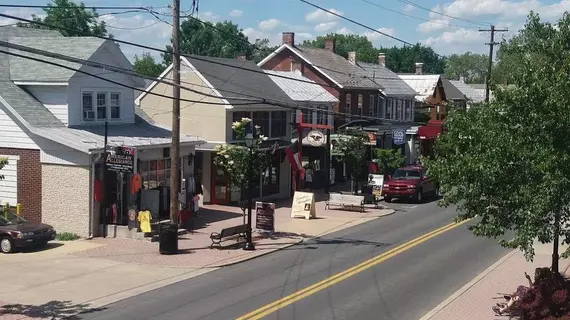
pixel 265 216
pixel 120 159
pixel 399 137
pixel 316 138
pixel 303 205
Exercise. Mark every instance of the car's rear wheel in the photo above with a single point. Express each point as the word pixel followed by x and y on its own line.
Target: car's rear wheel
pixel 6 245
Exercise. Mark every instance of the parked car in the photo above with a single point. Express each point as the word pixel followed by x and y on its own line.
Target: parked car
pixel 409 182
pixel 18 233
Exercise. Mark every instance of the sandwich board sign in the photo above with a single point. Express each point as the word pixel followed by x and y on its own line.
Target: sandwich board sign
pixel 303 205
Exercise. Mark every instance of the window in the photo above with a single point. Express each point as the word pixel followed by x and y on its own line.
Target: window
pixel 409 111
pixel 87 105
pixel 398 110
pixel 371 106
pixel 307 115
pixel 278 124
pixel 322 115
pixel 296 66
pixel 155 173
pixel 360 99
pixel 348 106
pixel 115 105
pixel 101 105
pixel 380 107
pixel 261 119
pixel 271 177
pixel 388 114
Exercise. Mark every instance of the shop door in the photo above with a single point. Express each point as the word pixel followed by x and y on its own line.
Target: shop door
pixel 221 186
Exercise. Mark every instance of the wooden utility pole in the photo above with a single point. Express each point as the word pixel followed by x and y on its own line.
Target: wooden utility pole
pixel 175 148
pixel 491 44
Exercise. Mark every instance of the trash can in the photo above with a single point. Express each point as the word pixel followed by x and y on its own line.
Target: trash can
pixel 168 239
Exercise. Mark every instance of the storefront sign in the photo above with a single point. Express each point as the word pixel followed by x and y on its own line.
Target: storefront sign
pixel 303 205
pixel 376 181
pixel 399 137
pixel 265 217
pixel 316 138
pixel 120 159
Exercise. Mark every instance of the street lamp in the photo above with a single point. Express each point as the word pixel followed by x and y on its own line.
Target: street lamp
pixel 249 143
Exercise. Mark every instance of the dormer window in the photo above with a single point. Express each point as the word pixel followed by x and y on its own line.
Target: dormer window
pixel 101 105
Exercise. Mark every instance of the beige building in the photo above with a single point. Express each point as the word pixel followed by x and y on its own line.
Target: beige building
pixel 216 92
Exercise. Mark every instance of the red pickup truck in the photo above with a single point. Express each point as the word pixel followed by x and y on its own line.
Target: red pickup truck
pixel 409 182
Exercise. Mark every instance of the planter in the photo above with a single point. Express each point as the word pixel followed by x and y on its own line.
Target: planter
pixel 168 239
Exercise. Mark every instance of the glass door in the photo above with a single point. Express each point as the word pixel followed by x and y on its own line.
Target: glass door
pixel 221 186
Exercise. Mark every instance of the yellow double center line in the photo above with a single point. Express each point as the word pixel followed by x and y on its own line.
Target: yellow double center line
pixel 301 294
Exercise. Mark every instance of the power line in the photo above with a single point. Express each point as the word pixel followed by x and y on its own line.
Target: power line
pixel 481 23
pixel 491 44
pixel 415 17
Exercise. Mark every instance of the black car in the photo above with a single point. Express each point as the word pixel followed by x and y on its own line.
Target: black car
pixel 17 233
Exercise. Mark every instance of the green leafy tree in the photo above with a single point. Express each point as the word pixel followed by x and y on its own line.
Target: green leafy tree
pixel 403 59
pixel 365 51
pixel 389 159
pixel 146 65
pixel 352 149
pixel 222 40
pixel 75 18
pixel 508 162
pixel 262 49
pixel 507 66
pixel 235 159
pixel 471 66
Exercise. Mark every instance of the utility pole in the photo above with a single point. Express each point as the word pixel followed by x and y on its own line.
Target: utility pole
pixel 175 148
pixel 491 44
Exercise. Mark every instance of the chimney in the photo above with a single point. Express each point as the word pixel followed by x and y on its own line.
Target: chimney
pixel 242 57
pixel 419 68
pixel 382 59
pixel 288 38
pixel 462 79
pixel 352 57
pixel 329 44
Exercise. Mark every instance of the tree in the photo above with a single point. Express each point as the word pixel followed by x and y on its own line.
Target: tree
pixel 389 159
pixel 74 20
pixel 235 160
pixel 146 65
pixel 508 162
pixel 222 40
pixel 471 66
pixel 403 59
pixel 352 148
pixel 344 43
pixel 262 49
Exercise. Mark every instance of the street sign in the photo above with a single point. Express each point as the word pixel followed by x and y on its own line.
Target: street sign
pixel 399 137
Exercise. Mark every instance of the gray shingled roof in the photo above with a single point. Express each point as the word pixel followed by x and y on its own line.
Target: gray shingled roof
pixel 244 83
pixel 451 92
pixel 22 69
pixel 337 67
pixel 393 85
pixel 471 93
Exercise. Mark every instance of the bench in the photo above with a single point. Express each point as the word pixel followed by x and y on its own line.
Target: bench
pixel 226 233
pixel 345 201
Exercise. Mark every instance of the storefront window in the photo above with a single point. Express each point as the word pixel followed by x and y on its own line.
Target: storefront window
pixel 155 173
pixel 380 107
pixel 388 114
pixel 409 113
pixel 322 115
pixel 307 116
pixel 399 110
pixel 261 119
pixel 271 177
pixel 278 124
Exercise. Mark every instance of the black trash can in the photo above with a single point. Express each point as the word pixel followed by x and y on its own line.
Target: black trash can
pixel 168 239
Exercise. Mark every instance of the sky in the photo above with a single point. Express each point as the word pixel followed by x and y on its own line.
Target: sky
pixel 447 26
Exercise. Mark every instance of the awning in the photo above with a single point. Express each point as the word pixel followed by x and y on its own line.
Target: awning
pixel 429 131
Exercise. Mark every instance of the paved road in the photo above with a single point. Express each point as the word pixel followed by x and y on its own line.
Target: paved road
pixel 403 287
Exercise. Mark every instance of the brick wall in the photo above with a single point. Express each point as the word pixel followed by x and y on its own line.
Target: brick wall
pixel 29 182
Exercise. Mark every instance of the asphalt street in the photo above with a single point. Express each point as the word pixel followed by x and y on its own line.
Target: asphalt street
pixel 403 287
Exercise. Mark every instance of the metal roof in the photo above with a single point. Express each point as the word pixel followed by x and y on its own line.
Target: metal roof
pixel 423 84
pixel 337 67
pixel 471 93
pixel 451 91
pixel 300 91
pixel 393 85
pixel 22 69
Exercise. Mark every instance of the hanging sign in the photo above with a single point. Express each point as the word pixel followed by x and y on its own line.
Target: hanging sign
pixel 316 138
pixel 120 159
pixel 265 217
pixel 399 137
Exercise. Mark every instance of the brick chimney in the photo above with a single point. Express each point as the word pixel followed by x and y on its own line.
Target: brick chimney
pixel 288 38
pixel 352 57
pixel 419 68
pixel 329 44
pixel 382 59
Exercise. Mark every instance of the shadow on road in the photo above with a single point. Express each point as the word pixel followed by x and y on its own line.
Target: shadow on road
pixel 49 310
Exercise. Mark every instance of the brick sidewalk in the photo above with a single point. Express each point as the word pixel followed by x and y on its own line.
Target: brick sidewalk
pixel 475 299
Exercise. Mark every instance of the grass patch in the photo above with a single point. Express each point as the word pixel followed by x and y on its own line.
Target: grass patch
pixel 66 236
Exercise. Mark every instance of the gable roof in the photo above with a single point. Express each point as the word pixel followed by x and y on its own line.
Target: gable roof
pixel 470 92
pixel 22 69
pixel 423 84
pixel 393 85
pixel 300 91
pixel 451 91
pixel 333 66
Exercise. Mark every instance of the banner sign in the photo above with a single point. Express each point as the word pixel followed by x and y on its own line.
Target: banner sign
pixel 121 159
pixel 399 137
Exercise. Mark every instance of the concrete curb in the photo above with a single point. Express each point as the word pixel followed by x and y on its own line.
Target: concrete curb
pixel 341 227
pixel 468 286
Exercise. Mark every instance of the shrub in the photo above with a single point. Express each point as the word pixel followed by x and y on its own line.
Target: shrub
pixel 66 236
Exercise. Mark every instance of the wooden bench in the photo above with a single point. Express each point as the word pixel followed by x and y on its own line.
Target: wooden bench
pixel 227 233
pixel 345 201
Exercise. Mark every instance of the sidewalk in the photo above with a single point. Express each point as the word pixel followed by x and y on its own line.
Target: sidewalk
pixel 475 299
pixel 70 277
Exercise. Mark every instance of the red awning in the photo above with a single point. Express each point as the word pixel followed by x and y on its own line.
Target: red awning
pixel 429 131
